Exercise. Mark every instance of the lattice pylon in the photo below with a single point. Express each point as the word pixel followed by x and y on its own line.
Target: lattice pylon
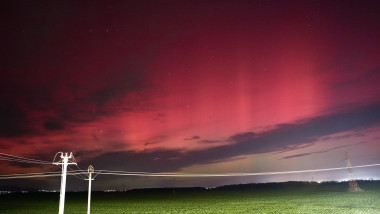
pixel 352 184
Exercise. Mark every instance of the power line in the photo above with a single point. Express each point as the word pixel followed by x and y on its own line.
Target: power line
pixel 76 165
pixel 56 156
pixel 23 158
pixel 8 157
pixel 148 174
pixel 22 161
pixel 97 173
pixel 34 175
pixel 79 175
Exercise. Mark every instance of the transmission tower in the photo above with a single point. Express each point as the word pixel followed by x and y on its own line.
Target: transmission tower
pixel 352 184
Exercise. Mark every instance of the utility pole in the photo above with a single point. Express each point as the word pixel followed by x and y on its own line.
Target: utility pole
pixel 64 162
pixel 90 171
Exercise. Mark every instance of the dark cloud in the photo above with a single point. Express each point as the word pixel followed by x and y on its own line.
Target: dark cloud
pixel 298 155
pixel 120 84
pixel 342 136
pixel 370 77
pixel 195 137
pixel 151 143
pixel 30 96
pixel 21 101
pixel 111 99
pixel 156 140
pixel 283 138
pixel 52 125
pixel 322 151
pixel 295 147
pixel 13 122
pixel 116 145
pixel 243 136
pixel 211 141
pixel 156 161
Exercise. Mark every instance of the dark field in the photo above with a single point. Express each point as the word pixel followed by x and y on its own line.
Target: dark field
pixel 270 198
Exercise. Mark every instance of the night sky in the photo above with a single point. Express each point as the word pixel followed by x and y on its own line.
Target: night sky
pixel 190 86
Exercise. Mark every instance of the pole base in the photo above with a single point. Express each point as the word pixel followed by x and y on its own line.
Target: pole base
pixel 355 189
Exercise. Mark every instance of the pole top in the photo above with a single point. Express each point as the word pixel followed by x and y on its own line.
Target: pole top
pixel 90 169
pixel 346 156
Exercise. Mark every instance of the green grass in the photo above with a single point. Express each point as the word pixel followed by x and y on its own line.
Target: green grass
pixel 197 201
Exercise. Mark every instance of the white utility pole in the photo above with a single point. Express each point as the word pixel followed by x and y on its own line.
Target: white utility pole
pixel 90 171
pixel 64 162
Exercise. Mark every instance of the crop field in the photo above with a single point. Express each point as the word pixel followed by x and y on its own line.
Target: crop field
pixel 283 200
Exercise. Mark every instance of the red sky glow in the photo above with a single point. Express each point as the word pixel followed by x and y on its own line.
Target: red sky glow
pixel 192 86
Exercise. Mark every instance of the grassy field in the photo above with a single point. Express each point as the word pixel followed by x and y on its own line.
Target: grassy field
pixel 283 200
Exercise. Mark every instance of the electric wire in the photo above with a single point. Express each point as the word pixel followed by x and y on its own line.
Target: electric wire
pixel 79 175
pixel 21 161
pixel 8 157
pixel 56 156
pixel 76 165
pixel 97 173
pixel 35 175
pixel 21 157
pixel 4 155
pixel 148 174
